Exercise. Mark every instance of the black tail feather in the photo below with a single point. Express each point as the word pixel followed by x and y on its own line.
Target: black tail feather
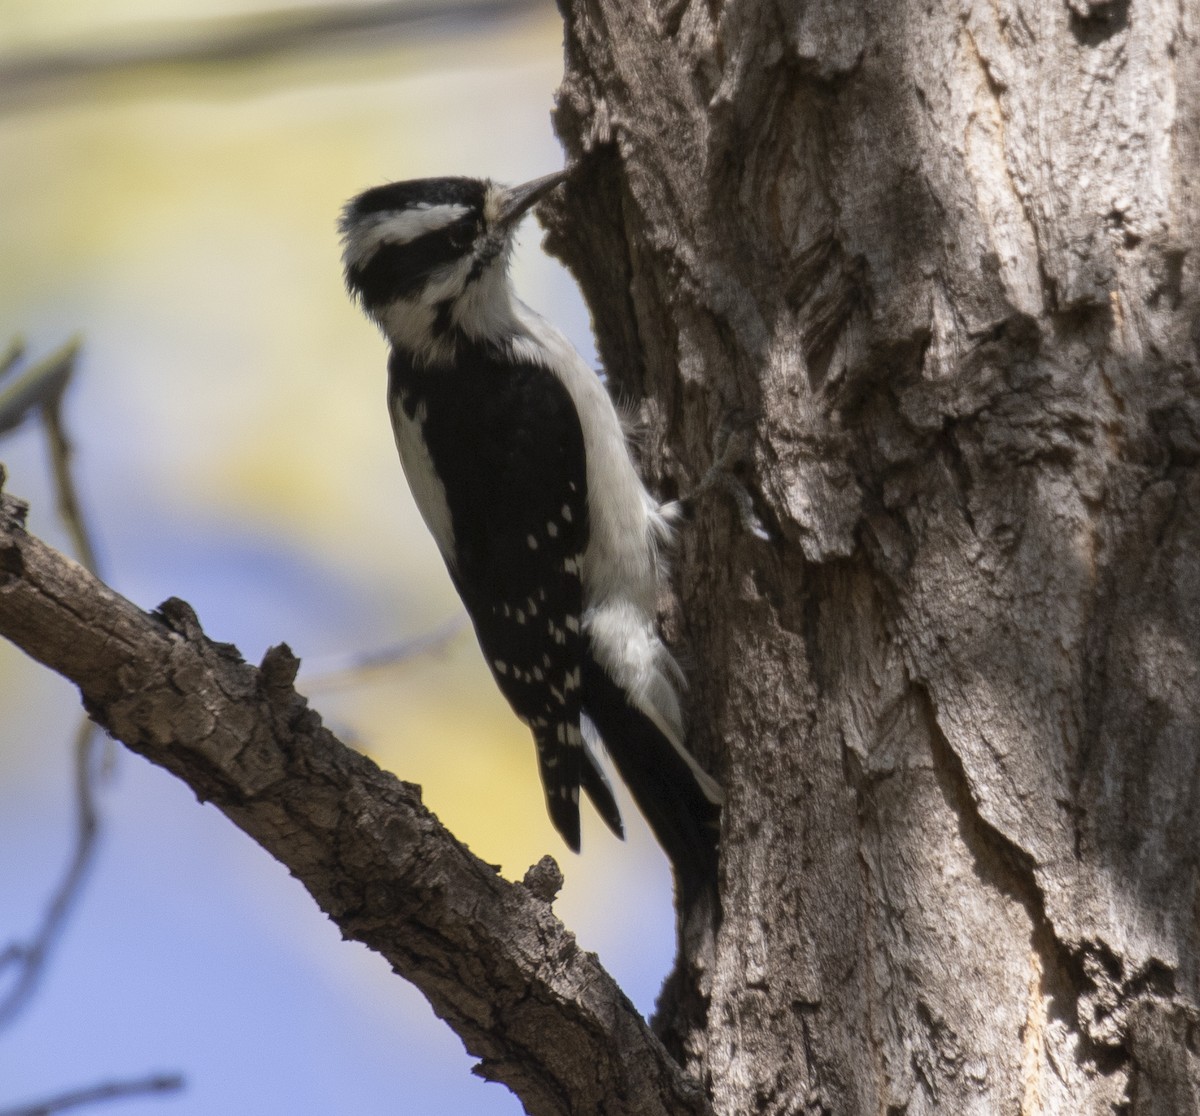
pixel 566 768
pixel 684 820
pixel 598 790
pixel 560 769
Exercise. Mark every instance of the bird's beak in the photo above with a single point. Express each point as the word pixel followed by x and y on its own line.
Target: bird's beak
pixel 516 201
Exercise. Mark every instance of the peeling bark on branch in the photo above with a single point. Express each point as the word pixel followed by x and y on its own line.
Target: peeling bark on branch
pixel 493 961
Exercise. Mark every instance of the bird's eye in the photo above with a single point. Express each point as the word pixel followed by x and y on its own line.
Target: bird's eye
pixel 463 234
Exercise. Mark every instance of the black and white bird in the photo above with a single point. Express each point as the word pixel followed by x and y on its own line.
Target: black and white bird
pixel 518 462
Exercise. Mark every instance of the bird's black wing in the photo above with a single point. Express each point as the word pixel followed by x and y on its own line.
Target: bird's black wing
pixel 508 449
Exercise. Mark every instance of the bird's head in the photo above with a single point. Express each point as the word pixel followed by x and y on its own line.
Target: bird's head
pixel 427 259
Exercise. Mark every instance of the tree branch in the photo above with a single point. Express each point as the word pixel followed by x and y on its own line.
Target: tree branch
pixel 489 955
pixel 28 958
pixel 95 1094
pixel 201 46
pixel 42 387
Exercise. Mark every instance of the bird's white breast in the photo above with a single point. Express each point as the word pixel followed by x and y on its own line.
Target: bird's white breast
pixel 625 523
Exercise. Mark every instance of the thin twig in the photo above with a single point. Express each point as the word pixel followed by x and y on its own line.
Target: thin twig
pixel 112 1090
pixel 31 956
pixel 12 356
pixel 350 669
pixel 36 385
pixel 69 506
pixel 236 40
pixel 43 386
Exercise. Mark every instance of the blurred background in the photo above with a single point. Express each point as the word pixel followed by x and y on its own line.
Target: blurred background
pixel 170 177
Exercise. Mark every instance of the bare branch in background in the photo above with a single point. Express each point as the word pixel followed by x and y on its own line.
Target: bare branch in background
pixel 41 388
pixel 57 74
pixel 349 670
pixel 11 356
pixel 111 1090
pixel 34 387
pixel 29 958
pixel 69 507
pixel 490 956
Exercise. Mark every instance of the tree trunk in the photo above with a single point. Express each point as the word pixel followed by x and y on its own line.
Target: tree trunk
pixel 932 267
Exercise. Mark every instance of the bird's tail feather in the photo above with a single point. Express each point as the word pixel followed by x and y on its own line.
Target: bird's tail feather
pixel 676 804
pixel 559 764
pixel 598 790
pixel 564 769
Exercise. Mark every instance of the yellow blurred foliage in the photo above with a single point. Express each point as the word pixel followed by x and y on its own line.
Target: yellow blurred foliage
pixel 186 225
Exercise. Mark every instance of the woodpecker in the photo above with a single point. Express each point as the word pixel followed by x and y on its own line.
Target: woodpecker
pixel 518 462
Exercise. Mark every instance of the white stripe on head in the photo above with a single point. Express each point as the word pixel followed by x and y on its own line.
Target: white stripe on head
pixel 365 237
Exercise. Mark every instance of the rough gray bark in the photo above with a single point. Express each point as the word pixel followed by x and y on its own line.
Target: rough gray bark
pixel 935 266
pixel 491 958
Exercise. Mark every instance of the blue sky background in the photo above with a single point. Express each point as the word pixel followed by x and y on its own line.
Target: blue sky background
pixel 233 449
